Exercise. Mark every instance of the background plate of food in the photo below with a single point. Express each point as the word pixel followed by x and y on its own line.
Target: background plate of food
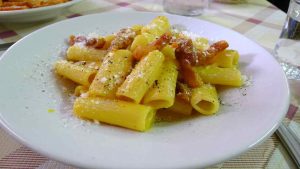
pixel 32 10
pixel 37 106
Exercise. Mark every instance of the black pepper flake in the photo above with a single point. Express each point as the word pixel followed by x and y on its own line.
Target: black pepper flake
pixel 156 82
pixel 244 92
pixel 221 101
pixel 43 91
pixel 109 61
pixel 106 85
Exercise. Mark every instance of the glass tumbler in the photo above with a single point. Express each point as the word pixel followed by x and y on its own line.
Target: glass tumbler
pixel 185 7
pixel 287 49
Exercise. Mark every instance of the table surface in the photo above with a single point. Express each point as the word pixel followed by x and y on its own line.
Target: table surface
pixel 256 19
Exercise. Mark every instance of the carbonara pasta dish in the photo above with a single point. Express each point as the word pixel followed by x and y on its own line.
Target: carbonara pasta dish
pixel 123 79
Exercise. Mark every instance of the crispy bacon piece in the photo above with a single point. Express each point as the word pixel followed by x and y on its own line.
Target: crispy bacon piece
pixel 123 39
pixel 187 58
pixel 162 41
pixel 71 40
pixel 185 49
pixel 97 43
pixel 209 56
pixel 91 42
pixel 76 39
pixel 190 77
pixel 158 44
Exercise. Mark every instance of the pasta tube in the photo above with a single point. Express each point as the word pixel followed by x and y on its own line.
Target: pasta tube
pixel 169 53
pixel 115 67
pixel 77 73
pixel 201 44
pixel 79 90
pixel 89 64
pixel 204 99
pixel 142 40
pixel 141 78
pixel 227 59
pixel 149 37
pixel 115 112
pixel 181 107
pixel 139 40
pixel 157 26
pixel 162 92
pixel 108 40
pixel 137 29
pixel 220 76
pixel 80 53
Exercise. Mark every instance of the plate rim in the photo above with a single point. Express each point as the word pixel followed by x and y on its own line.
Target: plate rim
pixel 262 138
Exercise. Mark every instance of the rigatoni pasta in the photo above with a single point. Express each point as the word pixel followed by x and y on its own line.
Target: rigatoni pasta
pixel 110 76
pixel 77 73
pixel 180 106
pixel 220 76
pixel 140 40
pixel 162 92
pixel 124 78
pixel 116 112
pixel 79 90
pixel 204 99
pixel 227 59
pixel 141 78
pixel 157 26
pixel 82 53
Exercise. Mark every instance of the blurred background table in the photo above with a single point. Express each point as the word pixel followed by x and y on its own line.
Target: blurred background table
pixel 257 19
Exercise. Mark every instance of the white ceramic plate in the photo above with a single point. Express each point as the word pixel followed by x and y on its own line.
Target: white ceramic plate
pixel 29 89
pixel 35 14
